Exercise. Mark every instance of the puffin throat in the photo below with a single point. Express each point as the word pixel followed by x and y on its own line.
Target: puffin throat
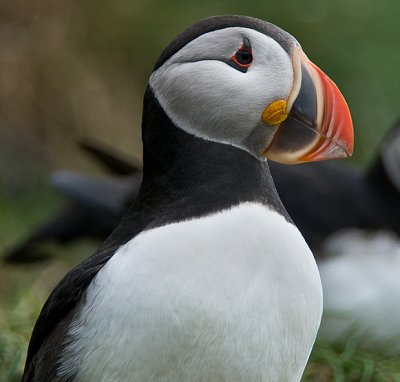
pixel 194 176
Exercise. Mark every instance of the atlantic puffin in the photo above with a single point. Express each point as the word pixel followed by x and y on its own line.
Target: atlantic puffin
pixel 206 278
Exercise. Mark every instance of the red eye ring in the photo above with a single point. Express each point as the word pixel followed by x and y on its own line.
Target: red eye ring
pixel 243 57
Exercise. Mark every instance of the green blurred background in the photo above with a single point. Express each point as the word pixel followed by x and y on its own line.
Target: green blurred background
pixel 72 69
pixel 79 68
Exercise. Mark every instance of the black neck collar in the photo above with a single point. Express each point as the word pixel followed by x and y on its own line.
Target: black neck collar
pixel 186 177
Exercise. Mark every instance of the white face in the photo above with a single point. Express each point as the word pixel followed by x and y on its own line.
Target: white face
pixel 205 96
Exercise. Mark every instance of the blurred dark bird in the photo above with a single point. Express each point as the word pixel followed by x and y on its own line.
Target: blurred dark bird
pixel 206 278
pixel 96 205
pixel 321 198
pixel 361 267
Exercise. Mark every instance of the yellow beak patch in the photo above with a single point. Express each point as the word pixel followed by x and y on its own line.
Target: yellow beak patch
pixel 275 112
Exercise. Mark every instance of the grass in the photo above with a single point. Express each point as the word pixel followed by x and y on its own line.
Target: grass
pixel 346 362
pixel 23 290
pixel 16 318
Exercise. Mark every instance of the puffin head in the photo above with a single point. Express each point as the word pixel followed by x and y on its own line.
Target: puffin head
pixel 244 82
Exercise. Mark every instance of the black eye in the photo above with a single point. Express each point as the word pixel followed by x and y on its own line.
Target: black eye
pixel 242 59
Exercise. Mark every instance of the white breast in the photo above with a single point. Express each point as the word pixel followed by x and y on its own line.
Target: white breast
pixel 234 296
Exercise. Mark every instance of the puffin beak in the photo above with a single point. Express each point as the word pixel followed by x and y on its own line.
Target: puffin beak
pixel 314 123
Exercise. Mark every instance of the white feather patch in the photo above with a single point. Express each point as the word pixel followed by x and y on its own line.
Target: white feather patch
pixel 234 296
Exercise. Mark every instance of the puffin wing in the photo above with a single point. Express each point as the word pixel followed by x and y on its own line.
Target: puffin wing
pixel 53 322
